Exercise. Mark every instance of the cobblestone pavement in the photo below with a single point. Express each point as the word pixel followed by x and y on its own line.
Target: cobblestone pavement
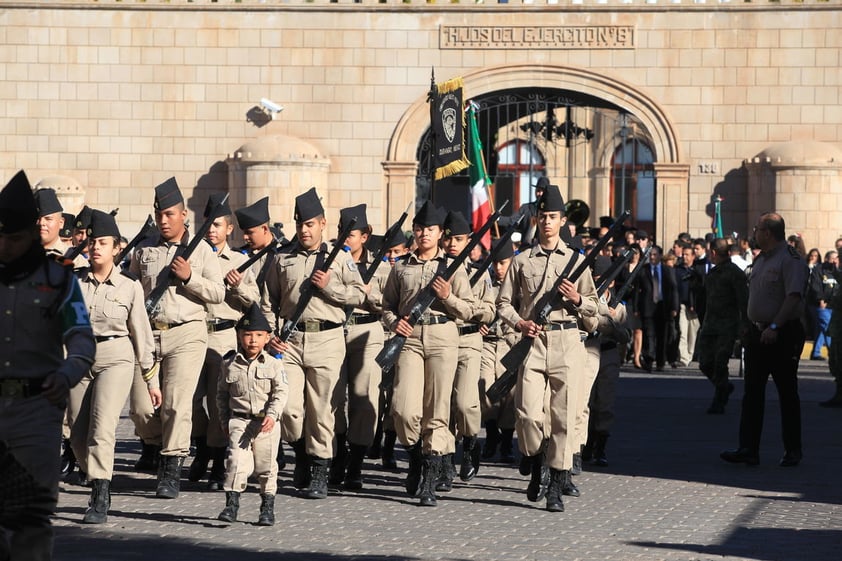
pixel 666 495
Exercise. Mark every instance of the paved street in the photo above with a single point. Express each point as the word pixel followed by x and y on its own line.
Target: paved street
pixel 666 495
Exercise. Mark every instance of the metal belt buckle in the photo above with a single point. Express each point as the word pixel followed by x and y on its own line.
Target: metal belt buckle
pixel 160 326
pixel 352 320
pixel 11 388
pixel 311 325
pixel 424 320
pixel 211 325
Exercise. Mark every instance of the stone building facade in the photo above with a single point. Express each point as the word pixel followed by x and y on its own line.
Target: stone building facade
pixel 677 101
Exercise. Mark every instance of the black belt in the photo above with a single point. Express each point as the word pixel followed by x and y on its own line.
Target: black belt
pixel 608 345
pixel 104 338
pixel 559 326
pixel 214 326
pixel 21 387
pixel 492 338
pixel 248 416
pixel 360 319
pixel 315 325
pixel 433 320
pixel 468 329
pixel 161 326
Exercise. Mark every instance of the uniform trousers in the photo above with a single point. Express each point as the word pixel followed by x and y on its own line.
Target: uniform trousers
pixel 582 397
pixel 312 363
pixel 181 351
pixel 251 451
pixel 141 411
pixel 205 412
pixel 467 415
pixel 781 362
pixel 503 412
pixel 688 329
pixel 551 370
pixel 361 377
pixel 715 350
pixel 95 405
pixel 423 387
pixel 30 444
pixel 604 392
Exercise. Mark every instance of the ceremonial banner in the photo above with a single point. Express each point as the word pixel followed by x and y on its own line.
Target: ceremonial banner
pixel 447 120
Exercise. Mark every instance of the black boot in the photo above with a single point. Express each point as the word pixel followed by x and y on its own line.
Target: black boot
pixel 100 502
pixel 340 460
pixel 430 472
pixel 492 440
pixel 354 474
pixel 447 472
pixel 577 464
pixel 301 473
pixel 587 448
pixel 599 457
pixel 554 491
pixel 217 472
pixel 506 448
pixel 318 479
pixel 470 458
pixel 169 477
pixel 281 459
pixel 68 458
pixel 376 448
pixel 540 475
pixel 388 450
pixel 232 507
pixel 567 486
pixel 199 466
pixel 149 458
pixel 267 510
pixel 413 476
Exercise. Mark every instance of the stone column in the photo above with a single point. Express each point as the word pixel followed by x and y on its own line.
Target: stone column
pixel 671 201
pixel 400 190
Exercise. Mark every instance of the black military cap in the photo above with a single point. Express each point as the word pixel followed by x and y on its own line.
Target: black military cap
pixel 605 221
pixel 18 209
pixel 67 230
pixel 551 200
pixel 47 202
pixel 308 206
pixel 211 206
pixel 253 320
pixel 398 238
pixel 253 215
pixel 583 231
pixel 374 243
pixel 542 183
pixel 455 224
pixel 167 194
pixel 601 265
pixel 505 252
pixel 83 219
pixel 429 215
pixel 358 212
pixel 102 225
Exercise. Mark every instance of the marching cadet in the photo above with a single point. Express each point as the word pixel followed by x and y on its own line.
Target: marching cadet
pixel 467 416
pixel 426 367
pixel 557 356
pixel 314 353
pixel 178 325
pixel 50 222
pixel 46 348
pixel 497 339
pixel 80 227
pixel 363 341
pixel 114 301
pixel 65 233
pixel 250 398
pixel 240 292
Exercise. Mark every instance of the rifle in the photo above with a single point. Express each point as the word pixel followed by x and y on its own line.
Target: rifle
pixel 71 254
pixel 486 263
pixel 620 294
pixel 613 271
pixel 307 293
pixel 144 232
pixel 153 301
pixel 518 353
pixel 255 257
pixel 392 348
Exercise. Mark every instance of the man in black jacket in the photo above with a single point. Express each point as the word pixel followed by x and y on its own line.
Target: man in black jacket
pixel 657 304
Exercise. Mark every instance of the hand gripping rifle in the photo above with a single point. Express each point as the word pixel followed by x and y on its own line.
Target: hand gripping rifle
pixel 307 291
pixel 153 301
pixel 505 238
pixel 518 353
pixel 145 230
pixel 274 245
pixel 392 348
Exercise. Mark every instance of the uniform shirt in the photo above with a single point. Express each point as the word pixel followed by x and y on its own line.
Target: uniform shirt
pixel 59 249
pixel 237 298
pixel 612 328
pixel 726 297
pixel 260 268
pixel 182 302
pixel 410 276
pixel 483 297
pixel 293 267
pixel 116 309
pixel 496 327
pixel 255 387
pixel 775 274
pixel 532 275
pixel 42 317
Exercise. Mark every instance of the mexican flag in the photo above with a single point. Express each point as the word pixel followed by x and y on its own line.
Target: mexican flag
pixel 480 205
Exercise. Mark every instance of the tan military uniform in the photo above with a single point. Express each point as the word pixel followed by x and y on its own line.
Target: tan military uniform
pixel 249 391
pixel 317 348
pixel 495 345
pixel 361 374
pixel 467 414
pixel 222 338
pixel 426 367
pixel 557 358
pixel 180 333
pixel 59 249
pixel 42 317
pixel 123 335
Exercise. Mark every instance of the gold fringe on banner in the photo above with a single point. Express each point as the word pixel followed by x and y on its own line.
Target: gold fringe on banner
pixel 458 165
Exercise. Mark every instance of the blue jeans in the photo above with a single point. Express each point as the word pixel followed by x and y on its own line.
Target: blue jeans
pixel 821 320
